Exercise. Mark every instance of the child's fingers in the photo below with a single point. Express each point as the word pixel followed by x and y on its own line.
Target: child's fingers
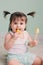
pixel 16 35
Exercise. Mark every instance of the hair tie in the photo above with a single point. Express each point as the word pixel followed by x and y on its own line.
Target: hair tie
pixel 32 13
pixel 6 13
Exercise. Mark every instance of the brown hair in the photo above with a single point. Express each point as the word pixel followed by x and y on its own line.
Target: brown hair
pixel 16 15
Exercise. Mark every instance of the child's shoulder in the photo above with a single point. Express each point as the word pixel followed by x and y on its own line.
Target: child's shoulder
pixel 8 35
pixel 26 32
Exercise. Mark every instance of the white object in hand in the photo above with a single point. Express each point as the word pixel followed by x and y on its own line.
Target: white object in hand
pixel 36 33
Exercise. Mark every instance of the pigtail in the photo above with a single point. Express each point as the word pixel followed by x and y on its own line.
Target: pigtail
pixel 6 13
pixel 32 13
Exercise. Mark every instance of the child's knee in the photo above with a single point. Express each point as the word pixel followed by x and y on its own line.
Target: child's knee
pixel 14 62
pixel 37 61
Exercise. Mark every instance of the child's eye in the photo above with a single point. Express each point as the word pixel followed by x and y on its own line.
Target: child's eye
pixel 22 19
pixel 21 23
pixel 15 23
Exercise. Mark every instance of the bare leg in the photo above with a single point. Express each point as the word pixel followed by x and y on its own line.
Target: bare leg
pixel 14 62
pixel 38 61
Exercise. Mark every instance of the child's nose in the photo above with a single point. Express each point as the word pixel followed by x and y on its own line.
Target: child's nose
pixel 18 25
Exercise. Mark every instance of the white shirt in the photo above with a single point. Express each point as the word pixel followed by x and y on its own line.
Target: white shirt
pixel 20 45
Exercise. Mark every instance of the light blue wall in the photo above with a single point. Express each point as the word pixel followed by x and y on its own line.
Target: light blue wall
pixel 23 6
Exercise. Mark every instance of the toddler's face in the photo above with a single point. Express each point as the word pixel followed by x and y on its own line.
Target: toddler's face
pixel 18 23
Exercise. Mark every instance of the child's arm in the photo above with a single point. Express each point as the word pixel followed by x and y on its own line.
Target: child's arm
pixel 9 39
pixel 35 42
pixel 32 43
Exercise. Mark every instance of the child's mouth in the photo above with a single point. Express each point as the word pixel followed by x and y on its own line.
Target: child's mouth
pixel 18 30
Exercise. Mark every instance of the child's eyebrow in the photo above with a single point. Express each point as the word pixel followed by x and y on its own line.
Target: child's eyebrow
pixel 23 19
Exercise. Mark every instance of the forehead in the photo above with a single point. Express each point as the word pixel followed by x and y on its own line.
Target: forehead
pixel 23 18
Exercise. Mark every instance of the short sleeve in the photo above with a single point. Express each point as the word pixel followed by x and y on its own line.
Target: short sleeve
pixel 11 33
pixel 26 38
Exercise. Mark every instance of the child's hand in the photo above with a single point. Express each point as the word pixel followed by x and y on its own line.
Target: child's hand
pixel 17 35
pixel 33 43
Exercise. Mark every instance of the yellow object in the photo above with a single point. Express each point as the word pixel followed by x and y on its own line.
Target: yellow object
pixel 37 30
pixel 36 33
pixel 17 30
